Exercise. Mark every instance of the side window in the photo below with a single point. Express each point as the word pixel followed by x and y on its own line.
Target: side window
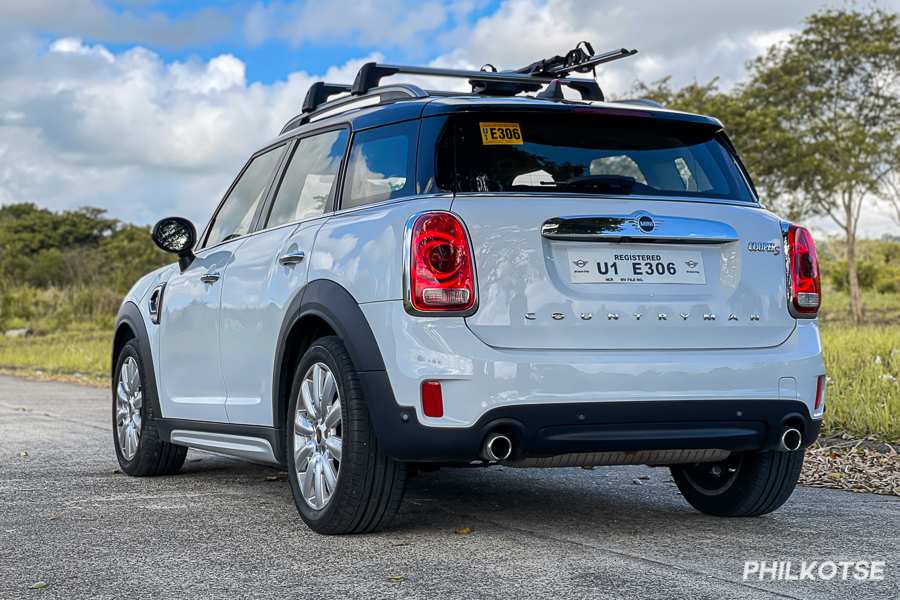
pixel 236 213
pixel 382 165
pixel 309 180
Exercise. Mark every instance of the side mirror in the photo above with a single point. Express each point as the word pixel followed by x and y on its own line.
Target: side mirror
pixel 178 236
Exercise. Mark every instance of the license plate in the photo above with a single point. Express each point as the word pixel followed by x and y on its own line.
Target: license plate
pixel 635 265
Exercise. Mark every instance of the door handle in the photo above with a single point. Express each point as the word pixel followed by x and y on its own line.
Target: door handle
pixel 210 277
pixel 292 258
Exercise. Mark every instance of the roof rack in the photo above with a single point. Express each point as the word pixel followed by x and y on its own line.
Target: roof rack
pixel 553 72
pixel 527 79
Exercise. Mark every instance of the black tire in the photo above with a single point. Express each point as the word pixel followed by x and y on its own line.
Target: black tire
pixel 370 485
pixel 153 456
pixel 748 484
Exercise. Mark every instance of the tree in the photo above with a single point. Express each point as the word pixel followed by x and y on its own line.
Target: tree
pixel 831 97
pixel 750 127
pixel 81 247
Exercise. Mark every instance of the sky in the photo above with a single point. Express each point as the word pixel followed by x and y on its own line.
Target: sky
pixel 149 108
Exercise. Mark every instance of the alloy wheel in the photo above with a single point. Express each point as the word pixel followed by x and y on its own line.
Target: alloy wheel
pixel 129 400
pixel 317 436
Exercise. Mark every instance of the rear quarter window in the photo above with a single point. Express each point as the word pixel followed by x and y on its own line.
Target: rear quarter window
pixel 381 165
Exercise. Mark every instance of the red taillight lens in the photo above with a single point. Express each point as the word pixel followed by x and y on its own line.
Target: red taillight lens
pixel 803 270
pixel 441 273
pixel 432 399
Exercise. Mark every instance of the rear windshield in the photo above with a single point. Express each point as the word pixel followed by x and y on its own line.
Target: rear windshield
pixel 587 154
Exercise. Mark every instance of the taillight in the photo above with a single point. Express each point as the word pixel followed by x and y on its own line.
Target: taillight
pixel 805 290
pixel 440 270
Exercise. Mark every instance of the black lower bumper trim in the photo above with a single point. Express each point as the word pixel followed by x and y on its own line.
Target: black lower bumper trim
pixel 551 429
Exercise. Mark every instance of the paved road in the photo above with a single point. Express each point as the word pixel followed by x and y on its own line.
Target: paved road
pixel 227 529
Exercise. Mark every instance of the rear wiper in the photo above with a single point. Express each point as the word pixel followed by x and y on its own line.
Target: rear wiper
pixel 614 183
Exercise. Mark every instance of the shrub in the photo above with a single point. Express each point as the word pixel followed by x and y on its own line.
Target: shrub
pixel 867 272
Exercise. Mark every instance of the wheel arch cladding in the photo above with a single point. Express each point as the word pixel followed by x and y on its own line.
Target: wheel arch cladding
pixel 323 307
pixel 130 325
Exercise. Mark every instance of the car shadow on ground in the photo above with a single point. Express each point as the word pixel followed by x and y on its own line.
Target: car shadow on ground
pixel 608 501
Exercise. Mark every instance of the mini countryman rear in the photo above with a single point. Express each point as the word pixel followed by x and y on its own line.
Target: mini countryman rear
pixel 448 279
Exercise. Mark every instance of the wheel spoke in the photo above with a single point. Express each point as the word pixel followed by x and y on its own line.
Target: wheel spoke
pixel 330 476
pixel 306 481
pixel 132 440
pixel 329 387
pixel 308 400
pixel 334 444
pixel 334 415
pixel 123 430
pixel 303 426
pixel 317 383
pixel 137 422
pixel 122 393
pixel 124 381
pixel 132 375
pixel 138 400
pixel 319 484
pixel 301 456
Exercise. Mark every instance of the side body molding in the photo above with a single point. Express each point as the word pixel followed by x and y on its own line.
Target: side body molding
pixel 332 303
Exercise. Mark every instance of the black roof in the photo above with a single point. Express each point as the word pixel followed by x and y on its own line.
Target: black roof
pixel 404 109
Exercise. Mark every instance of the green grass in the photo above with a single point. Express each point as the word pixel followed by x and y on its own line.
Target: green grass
pixel 75 353
pixel 863 393
pixel 878 308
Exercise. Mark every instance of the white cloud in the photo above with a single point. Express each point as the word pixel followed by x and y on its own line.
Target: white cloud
pixel 134 134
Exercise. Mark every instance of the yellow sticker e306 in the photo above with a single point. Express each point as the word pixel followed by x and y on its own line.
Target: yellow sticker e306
pixel 500 134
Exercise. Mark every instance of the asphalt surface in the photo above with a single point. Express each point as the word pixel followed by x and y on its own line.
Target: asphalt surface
pixel 227 529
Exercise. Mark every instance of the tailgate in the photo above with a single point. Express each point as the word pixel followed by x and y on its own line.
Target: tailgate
pixel 557 273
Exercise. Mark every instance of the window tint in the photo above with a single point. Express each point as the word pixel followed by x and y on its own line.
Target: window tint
pixel 309 179
pixel 382 165
pixel 236 213
pixel 590 154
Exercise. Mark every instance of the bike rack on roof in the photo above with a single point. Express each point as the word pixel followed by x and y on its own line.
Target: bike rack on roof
pixel 552 72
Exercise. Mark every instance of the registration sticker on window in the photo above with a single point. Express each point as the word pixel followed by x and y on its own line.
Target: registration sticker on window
pixel 500 134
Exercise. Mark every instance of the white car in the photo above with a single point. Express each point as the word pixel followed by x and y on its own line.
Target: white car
pixel 407 278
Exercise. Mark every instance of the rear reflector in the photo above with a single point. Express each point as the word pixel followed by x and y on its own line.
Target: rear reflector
pixel 820 395
pixel 432 399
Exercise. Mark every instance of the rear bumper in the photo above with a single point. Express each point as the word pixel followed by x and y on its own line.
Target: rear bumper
pixel 549 430
pixel 555 402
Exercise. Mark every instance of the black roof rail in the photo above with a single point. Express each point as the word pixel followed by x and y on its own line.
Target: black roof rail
pixel 387 94
pixel 319 92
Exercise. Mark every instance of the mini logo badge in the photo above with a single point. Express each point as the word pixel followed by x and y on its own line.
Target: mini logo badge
pixel 646 224
pixel 691 263
pixel 580 263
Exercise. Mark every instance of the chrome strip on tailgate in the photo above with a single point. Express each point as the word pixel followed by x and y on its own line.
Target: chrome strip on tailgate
pixel 638 227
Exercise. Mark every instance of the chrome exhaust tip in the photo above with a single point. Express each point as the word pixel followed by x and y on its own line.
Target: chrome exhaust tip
pixel 496 447
pixel 790 441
